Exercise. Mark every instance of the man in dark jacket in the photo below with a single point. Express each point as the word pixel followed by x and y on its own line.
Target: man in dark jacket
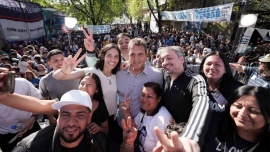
pixel 185 97
pixel 70 133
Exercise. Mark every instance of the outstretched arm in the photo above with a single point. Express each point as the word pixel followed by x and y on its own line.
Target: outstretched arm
pixel 236 66
pixel 27 103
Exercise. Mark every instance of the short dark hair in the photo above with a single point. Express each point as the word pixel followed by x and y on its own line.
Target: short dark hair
pixel 158 91
pixel 54 52
pixel 137 42
pixel 119 36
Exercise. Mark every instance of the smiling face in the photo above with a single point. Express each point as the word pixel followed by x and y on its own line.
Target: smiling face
pixel 111 59
pixel 213 68
pixel 247 115
pixel 88 84
pixel 71 124
pixel 56 61
pixel 137 58
pixel 123 44
pixel 149 100
pixel 171 63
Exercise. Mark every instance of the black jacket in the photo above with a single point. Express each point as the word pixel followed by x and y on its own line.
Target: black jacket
pixel 47 140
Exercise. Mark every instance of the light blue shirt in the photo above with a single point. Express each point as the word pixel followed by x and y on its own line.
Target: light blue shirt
pixel 131 86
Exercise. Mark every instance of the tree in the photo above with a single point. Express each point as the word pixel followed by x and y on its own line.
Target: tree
pixel 156 9
pixel 98 11
pixel 91 11
pixel 136 9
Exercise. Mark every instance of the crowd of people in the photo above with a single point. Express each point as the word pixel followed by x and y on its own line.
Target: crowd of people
pixel 119 92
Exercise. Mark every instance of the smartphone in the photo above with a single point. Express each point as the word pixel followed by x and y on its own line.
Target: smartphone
pixel 8 81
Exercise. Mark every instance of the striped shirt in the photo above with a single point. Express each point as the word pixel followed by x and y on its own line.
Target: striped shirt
pixel 187 101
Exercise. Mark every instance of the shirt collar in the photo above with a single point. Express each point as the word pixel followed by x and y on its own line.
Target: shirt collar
pixel 145 70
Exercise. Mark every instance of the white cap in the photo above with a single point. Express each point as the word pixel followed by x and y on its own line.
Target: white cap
pixel 76 97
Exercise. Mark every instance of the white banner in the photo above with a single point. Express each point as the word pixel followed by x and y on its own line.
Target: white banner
pixel 185 15
pixel 220 13
pixel 19 31
pixel 153 24
pixel 99 29
pixel 167 15
pixel 21 20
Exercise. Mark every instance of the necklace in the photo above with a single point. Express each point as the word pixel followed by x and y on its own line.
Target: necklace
pixel 109 79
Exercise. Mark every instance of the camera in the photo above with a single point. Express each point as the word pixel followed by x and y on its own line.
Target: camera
pixel 8 81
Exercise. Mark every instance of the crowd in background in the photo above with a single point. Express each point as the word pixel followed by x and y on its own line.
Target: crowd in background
pixel 35 61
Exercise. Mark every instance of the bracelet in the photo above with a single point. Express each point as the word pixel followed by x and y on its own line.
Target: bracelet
pixel 63 72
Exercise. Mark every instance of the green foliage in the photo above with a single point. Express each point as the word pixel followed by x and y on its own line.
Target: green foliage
pixel 43 3
pixel 100 11
pixel 136 8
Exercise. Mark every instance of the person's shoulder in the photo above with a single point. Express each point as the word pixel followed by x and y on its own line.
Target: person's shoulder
pixel 191 73
pixel 164 112
pixel 47 76
pixel 22 82
pixel 120 72
pixel 37 140
pixel 18 80
pixel 152 69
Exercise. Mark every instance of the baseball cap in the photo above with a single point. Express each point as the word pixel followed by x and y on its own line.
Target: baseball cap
pixel 76 97
pixel 265 58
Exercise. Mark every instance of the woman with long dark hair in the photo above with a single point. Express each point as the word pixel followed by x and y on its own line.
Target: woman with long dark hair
pixel 246 127
pixel 106 68
pixel 216 71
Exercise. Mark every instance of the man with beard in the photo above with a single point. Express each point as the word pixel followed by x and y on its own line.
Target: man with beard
pixel 257 76
pixel 70 133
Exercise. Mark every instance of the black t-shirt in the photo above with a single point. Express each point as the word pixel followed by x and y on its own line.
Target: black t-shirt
pixel 233 143
pixel 81 147
pixel 101 114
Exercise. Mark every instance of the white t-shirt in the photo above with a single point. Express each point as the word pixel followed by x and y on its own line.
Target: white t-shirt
pixel 11 116
pixel 109 89
pixel 149 138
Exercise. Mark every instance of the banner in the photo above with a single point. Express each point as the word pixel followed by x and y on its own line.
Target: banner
pixel 20 21
pixel 220 13
pixel 153 24
pixel 99 29
pixel 250 35
pixel 167 15
pixel 185 15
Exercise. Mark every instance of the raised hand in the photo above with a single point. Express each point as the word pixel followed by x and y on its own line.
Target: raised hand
pixel 129 132
pixel 89 41
pixel 71 63
pixel 125 105
pixel 166 144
